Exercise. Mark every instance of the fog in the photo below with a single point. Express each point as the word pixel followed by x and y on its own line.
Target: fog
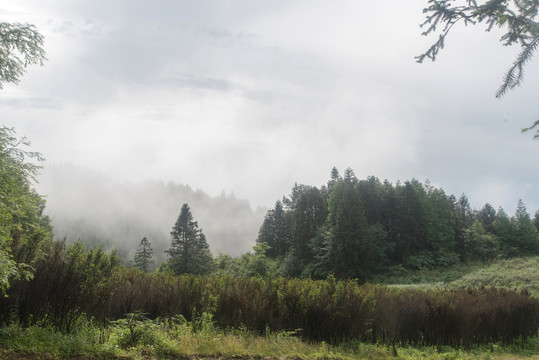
pixel 90 206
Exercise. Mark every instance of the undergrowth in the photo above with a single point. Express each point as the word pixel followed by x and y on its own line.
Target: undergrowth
pixel 137 337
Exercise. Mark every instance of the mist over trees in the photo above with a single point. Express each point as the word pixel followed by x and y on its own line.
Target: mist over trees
pixel 144 255
pixel 89 206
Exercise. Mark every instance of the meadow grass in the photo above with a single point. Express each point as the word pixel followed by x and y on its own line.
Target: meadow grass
pixel 513 274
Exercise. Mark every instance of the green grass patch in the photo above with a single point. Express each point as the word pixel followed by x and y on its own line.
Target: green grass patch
pixel 514 274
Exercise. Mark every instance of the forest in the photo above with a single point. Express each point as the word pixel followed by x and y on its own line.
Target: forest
pixel 316 273
pixel 353 228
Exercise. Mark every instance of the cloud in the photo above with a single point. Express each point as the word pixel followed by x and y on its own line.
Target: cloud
pixel 30 103
pixel 251 97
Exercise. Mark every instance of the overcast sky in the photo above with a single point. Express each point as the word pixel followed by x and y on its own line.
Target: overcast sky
pixel 251 96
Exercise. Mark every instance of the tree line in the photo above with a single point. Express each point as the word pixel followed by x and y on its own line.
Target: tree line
pixel 353 228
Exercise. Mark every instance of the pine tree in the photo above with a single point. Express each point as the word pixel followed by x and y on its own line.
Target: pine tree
pixel 349 253
pixel 189 252
pixel 486 216
pixel 144 255
pixel 274 231
pixel 527 236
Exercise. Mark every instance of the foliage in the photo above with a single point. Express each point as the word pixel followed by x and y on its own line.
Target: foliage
pixel 189 252
pixel 480 245
pixel 20 46
pixel 246 265
pixel 516 17
pixel 68 282
pixel 23 228
pixel 274 231
pixel 320 310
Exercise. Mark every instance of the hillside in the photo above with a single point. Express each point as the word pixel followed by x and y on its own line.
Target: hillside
pixel 90 206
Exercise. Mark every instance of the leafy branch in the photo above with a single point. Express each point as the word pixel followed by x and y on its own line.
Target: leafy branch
pixel 20 45
pixel 517 17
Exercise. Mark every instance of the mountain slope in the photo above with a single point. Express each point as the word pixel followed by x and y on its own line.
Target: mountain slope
pixel 90 206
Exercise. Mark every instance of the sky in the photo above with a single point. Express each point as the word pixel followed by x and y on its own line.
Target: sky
pixel 249 97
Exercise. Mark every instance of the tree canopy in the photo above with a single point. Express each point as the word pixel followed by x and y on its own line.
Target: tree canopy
pixel 23 227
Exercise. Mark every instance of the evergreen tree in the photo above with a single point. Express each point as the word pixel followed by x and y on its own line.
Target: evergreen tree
pixel 144 255
pixel 414 225
pixel 189 252
pixel 308 212
pixel 486 216
pixel 350 255
pixel 389 214
pixel 371 192
pixel 442 242
pixel 335 176
pixel 463 215
pixel 504 230
pixel 275 231
pixel 526 237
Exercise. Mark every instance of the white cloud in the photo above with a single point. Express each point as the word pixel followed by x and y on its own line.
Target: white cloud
pixel 252 96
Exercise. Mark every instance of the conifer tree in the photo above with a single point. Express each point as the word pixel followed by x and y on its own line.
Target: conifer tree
pixel 189 252
pixel 144 255
pixel 350 254
pixel 274 231
pixel 526 237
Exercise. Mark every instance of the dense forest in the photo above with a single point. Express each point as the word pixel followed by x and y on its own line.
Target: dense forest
pixel 354 228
